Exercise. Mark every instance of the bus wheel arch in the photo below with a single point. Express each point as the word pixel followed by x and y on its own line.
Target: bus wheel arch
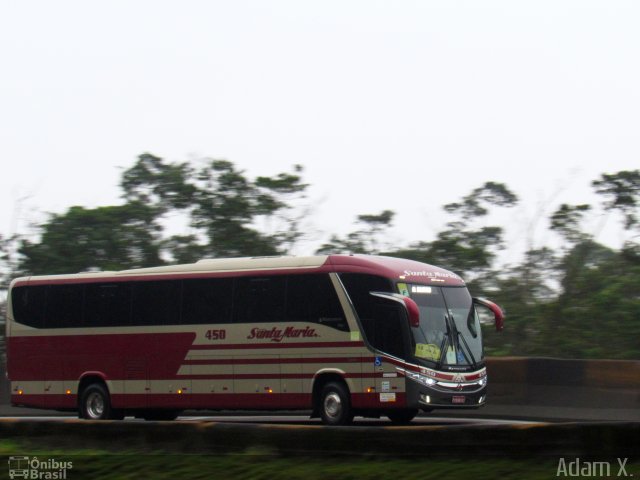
pixel 332 399
pixel 94 399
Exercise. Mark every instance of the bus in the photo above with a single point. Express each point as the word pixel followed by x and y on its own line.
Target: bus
pixel 339 335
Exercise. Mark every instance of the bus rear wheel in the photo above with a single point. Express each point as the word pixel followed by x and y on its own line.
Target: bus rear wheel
pixel 95 403
pixel 335 404
pixel 402 416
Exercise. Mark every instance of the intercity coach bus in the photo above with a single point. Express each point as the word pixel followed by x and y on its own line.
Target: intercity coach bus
pixel 340 335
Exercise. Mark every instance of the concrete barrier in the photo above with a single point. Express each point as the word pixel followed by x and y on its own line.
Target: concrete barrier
pixel 586 384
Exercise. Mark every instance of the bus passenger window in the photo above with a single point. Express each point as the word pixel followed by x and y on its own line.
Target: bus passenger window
pixel 28 305
pixel 156 303
pixel 64 306
pixel 108 304
pixel 259 299
pixel 313 299
pixel 207 300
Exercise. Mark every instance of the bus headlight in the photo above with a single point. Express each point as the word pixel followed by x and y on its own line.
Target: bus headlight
pixel 428 381
pixel 482 382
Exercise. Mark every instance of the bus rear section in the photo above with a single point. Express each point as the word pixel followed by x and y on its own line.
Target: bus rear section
pixel 338 335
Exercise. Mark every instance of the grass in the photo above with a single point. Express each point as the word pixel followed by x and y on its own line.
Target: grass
pixel 256 464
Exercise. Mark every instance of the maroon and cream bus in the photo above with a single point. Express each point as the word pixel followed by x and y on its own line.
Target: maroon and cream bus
pixel 340 335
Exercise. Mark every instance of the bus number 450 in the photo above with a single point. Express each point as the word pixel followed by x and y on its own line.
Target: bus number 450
pixel 216 334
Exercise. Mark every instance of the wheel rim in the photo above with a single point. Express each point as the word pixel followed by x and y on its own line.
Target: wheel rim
pixel 95 405
pixel 333 405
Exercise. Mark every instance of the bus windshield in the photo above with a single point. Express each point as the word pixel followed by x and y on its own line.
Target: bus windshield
pixel 449 331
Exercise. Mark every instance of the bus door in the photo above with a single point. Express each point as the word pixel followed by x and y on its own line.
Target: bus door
pixel 389 334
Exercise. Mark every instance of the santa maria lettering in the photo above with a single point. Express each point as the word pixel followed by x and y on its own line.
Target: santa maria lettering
pixel 425 273
pixel 277 334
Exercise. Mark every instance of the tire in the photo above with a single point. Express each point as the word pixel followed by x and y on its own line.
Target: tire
pixel 335 405
pixel 95 403
pixel 166 415
pixel 403 416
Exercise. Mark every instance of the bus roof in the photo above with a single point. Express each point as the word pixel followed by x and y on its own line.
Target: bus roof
pixel 391 267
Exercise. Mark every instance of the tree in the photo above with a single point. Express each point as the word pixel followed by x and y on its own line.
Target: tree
pixel 461 247
pixel 103 238
pixel 364 240
pixel 622 192
pixel 566 221
pixel 157 184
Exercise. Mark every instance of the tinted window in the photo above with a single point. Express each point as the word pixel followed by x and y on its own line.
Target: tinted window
pixel 358 286
pixel 207 300
pixel 372 313
pixel 259 299
pixel 313 299
pixel 156 303
pixel 64 306
pixel 388 330
pixel 107 304
pixel 28 305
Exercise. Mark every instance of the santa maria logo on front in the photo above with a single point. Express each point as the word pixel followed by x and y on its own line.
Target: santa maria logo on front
pixel 277 334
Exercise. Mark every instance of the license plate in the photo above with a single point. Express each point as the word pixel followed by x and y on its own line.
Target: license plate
pixel 458 399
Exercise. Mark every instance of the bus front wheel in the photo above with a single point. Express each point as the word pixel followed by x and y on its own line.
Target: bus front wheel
pixel 335 404
pixel 95 403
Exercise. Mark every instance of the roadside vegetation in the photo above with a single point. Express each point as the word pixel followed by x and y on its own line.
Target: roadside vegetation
pixel 256 465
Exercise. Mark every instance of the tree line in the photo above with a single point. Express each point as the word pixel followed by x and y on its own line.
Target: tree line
pixel 579 300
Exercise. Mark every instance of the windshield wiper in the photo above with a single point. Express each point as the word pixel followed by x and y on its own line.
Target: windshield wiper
pixel 466 347
pixel 444 343
pixel 464 342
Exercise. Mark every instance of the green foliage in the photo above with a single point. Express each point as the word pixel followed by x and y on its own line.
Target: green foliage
pixel 622 191
pixel 490 193
pixel 222 205
pixel 105 238
pixel 462 247
pixel 566 221
pixel 364 240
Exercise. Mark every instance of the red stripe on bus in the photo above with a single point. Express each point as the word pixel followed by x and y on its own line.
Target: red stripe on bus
pixel 251 346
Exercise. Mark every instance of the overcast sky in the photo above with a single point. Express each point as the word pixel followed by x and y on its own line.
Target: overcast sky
pixel 388 104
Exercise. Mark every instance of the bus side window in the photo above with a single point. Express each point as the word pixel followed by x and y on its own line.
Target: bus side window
pixel 359 286
pixel 207 300
pixel 28 305
pixel 259 299
pixel 313 299
pixel 108 304
pixel 388 332
pixel 156 303
pixel 64 306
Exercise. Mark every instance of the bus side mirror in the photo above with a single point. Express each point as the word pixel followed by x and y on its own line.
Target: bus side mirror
pixel 498 315
pixel 413 312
